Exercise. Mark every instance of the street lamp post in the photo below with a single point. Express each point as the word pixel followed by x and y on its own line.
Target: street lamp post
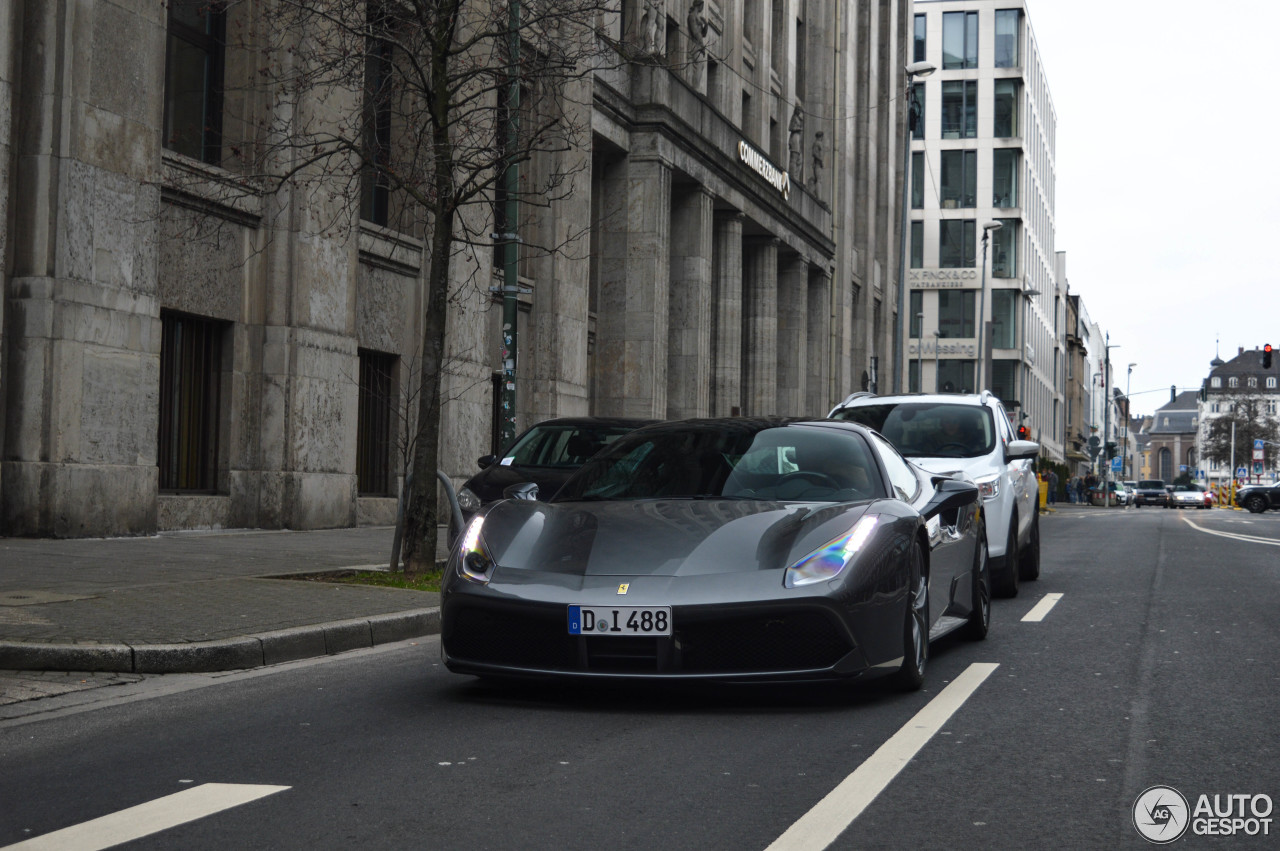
pixel 919 352
pixel 981 381
pixel 1128 379
pixel 937 364
pixel 1106 420
pixel 1030 293
pixel 915 69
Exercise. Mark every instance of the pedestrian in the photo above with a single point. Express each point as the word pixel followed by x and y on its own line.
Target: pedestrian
pixel 1053 487
pixel 1079 490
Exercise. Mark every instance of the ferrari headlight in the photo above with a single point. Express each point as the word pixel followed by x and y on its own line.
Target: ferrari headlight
pixel 473 560
pixel 468 501
pixel 827 561
pixel 989 486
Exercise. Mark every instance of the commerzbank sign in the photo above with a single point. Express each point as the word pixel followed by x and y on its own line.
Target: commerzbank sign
pixel 943 279
pixel 760 164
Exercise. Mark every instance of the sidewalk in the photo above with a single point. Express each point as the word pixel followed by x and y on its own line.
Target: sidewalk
pixel 197 601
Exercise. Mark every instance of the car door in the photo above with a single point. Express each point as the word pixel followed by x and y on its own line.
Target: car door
pixel 1021 478
pixel 950 533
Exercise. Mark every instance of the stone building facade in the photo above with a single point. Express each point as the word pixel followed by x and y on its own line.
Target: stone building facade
pixel 180 351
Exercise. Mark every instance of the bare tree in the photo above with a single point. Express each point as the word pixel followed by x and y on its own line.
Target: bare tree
pixel 418 108
pixel 1252 422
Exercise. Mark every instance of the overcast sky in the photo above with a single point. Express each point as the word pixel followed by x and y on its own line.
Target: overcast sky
pixel 1167 185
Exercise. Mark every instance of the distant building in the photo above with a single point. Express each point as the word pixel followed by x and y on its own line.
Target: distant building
pixel 1240 384
pixel 1172 433
pixel 984 153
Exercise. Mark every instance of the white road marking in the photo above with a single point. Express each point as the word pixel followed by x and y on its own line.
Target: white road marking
pixel 1039 610
pixel 151 817
pixel 1252 539
pixel 823 824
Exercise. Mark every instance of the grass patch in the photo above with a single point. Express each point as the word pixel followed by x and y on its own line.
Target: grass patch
pixel 426 581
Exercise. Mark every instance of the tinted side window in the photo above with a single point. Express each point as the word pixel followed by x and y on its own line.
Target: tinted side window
pixel 901 475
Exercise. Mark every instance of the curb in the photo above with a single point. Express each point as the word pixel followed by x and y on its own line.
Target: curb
pixel 227 654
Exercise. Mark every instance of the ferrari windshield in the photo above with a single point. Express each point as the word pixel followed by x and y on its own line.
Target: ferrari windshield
pixel 564 445
pixel 929 429
pixel 731 460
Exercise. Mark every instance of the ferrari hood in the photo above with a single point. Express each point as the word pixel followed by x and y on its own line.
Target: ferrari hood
pixel 679 537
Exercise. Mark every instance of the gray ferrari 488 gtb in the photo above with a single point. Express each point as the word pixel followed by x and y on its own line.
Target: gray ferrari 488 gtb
pixel 731 549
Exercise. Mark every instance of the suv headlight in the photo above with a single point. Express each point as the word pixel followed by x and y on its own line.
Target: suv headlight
pixel 828 560
pixel 473 558
pixel 988 486
pixel 468 501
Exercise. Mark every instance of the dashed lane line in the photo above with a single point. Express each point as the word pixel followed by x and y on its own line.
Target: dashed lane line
pixel 823 824
pixel 146 819
pixel 1042 608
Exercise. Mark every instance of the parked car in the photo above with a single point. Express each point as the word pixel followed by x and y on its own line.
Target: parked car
pixel 969 435
pixel 1150 492
pixel 1258 498
pixel 1189 496
pixel 1119 493
pixel 546 454
pixel 728 550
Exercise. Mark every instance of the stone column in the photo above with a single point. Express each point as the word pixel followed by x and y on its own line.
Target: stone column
pixel 760 327
pixel 726 344
pixel 689 329
pixel 819 344
pixel 631 338
pixel 793 347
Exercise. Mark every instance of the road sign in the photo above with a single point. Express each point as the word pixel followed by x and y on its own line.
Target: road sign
pixel 1259 455
pixel 1116 464
pixel 1257 444
pixel 1257 468
pixel 1241 472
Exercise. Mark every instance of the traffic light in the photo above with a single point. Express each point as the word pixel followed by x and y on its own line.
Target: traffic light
pixel 1024 433
pixel 1266 356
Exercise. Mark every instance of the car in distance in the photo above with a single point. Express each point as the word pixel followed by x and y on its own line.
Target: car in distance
pixel 969 435
pixel 1150 492
pixel 1258 498
pixel 736 549
pixel 545 454
pixel 1188 496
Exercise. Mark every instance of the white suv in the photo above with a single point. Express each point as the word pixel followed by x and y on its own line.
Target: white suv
pixel 970 435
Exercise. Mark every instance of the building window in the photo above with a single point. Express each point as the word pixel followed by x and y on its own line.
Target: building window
pixel 917 245
pixel 1005 163
pixel 374 417
pixel 1271 383
pixel 917 180
pixel 955 313
pixel 1213 408
pixel 1004 319
pixel 959 109
pixel 913 375
pixel 1005 124
pixel 193 79
pixel 916 308
pixel 1233 382
pixel 959 40
pixel 1007 37
pixel 1004 250
pixel 957 243
pixel 1215 382
pixel 376 117
pixel 955 376
pixel 190 396
pixel 1271 408
pixel 921 27
pixel 959 179
pixel 1253 382
pixel 917 92
pixel 1003 380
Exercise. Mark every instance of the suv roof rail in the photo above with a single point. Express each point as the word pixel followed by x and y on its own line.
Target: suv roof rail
pixel 861 394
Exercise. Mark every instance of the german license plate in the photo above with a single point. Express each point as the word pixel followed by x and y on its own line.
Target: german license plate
pixel 619 620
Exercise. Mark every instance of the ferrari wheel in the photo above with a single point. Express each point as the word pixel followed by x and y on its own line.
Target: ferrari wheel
pixel 1007 584
pixel 915 639
pixel 1256 505
pixel 1029 561
pixel 980 616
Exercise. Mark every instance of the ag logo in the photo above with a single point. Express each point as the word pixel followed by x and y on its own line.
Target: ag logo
pixel 1161 814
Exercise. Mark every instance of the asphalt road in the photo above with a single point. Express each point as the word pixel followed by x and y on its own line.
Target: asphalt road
pixel 1155 667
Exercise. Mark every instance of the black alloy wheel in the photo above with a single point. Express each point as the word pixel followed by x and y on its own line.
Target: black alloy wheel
pixel 1256 505
pixel 915 638
pixel 1029 560
pixel 980 616
pixel 1006 585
